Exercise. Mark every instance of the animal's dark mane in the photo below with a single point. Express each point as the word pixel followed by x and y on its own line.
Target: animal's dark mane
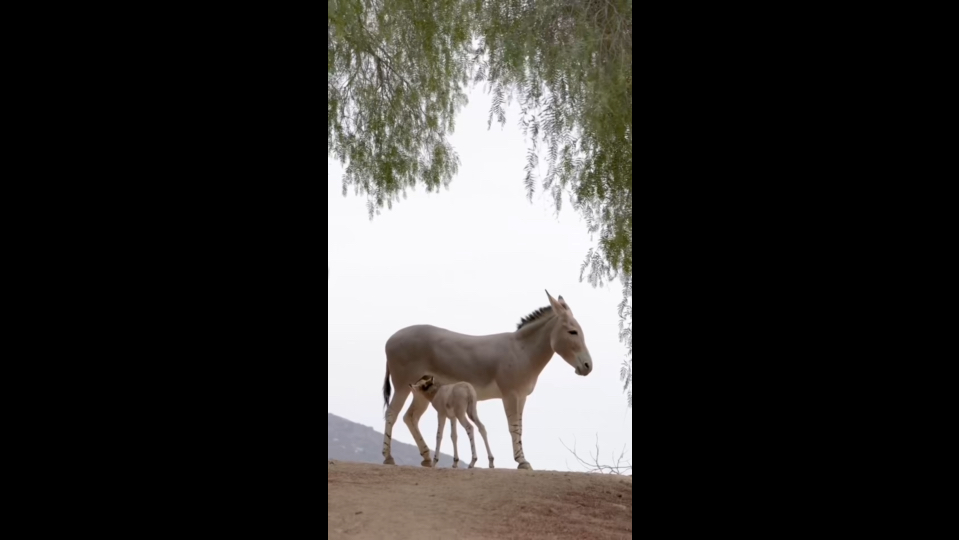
pixel 538 314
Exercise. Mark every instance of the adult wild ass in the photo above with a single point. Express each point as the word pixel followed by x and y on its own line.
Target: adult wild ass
pixel 499 366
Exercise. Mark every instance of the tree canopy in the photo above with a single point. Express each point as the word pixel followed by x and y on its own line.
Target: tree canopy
pixel 397 73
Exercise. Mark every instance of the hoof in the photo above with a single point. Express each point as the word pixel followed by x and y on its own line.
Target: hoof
pixel 525 465
pixel 471 465
pixel 427 463
pixel 389 461
pixel 491 464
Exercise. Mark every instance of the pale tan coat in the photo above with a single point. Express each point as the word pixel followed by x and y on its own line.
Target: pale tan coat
pixel 454 401
pixel 499 366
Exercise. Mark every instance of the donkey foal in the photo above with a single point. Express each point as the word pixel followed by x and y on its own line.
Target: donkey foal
pixel 453 401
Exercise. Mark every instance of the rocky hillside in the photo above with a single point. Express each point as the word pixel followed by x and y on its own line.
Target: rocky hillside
pixel 349 441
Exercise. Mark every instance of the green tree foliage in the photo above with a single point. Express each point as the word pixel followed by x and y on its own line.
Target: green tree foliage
pixel 397 71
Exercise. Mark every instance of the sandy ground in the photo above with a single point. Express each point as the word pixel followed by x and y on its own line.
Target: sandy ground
pixel 392 502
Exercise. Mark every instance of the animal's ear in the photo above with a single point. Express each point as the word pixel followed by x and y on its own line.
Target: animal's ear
pixel 557 307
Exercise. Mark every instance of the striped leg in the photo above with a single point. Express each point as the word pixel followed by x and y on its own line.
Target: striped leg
pixel 412 419
pixel 514 415
pixel 440 425
pixel 469 433
pixel 456 449
pixel 392 413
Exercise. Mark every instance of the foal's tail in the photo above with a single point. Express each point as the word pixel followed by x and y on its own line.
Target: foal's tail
pixel 386 388
pixel 471 406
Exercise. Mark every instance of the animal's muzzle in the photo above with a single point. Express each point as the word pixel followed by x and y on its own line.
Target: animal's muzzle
pixel 585 366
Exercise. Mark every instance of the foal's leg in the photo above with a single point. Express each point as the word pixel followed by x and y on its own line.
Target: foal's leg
pixel 469 432
pixel 392 413
pixel 456 449
pixel 412 419
pixel 514 404
pixel 482 429
pixel 440 424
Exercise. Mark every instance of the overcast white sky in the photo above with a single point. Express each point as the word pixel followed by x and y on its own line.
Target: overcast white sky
pixel 473 259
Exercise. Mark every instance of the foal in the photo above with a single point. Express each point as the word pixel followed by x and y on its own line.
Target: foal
pixel 453 401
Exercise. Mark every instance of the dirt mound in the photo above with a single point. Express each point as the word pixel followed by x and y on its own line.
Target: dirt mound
pixel 394 502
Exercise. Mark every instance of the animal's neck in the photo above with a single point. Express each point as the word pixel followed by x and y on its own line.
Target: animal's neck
pixel 535 341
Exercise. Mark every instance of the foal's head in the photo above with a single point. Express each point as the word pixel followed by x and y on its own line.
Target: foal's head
pixel 567 338
pixel 424 385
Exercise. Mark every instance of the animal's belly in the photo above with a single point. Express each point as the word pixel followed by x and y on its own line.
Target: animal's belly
pixel 489 391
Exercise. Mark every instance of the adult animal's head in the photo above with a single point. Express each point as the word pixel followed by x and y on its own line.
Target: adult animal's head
pixel 567 338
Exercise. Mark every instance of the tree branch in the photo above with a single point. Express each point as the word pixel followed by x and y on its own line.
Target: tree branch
pixel 619 465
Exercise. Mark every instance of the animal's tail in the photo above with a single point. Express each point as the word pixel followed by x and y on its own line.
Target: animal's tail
pixel 386 388
pixel 471 406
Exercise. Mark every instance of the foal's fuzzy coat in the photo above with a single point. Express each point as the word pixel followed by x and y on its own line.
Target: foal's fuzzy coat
pixel 453 401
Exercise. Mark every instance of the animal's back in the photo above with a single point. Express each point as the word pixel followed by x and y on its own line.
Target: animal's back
pixel 412 342
pixel 424 340
pixel 462 392
pixel 454 396
pixel 463 388
pixel 450 357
